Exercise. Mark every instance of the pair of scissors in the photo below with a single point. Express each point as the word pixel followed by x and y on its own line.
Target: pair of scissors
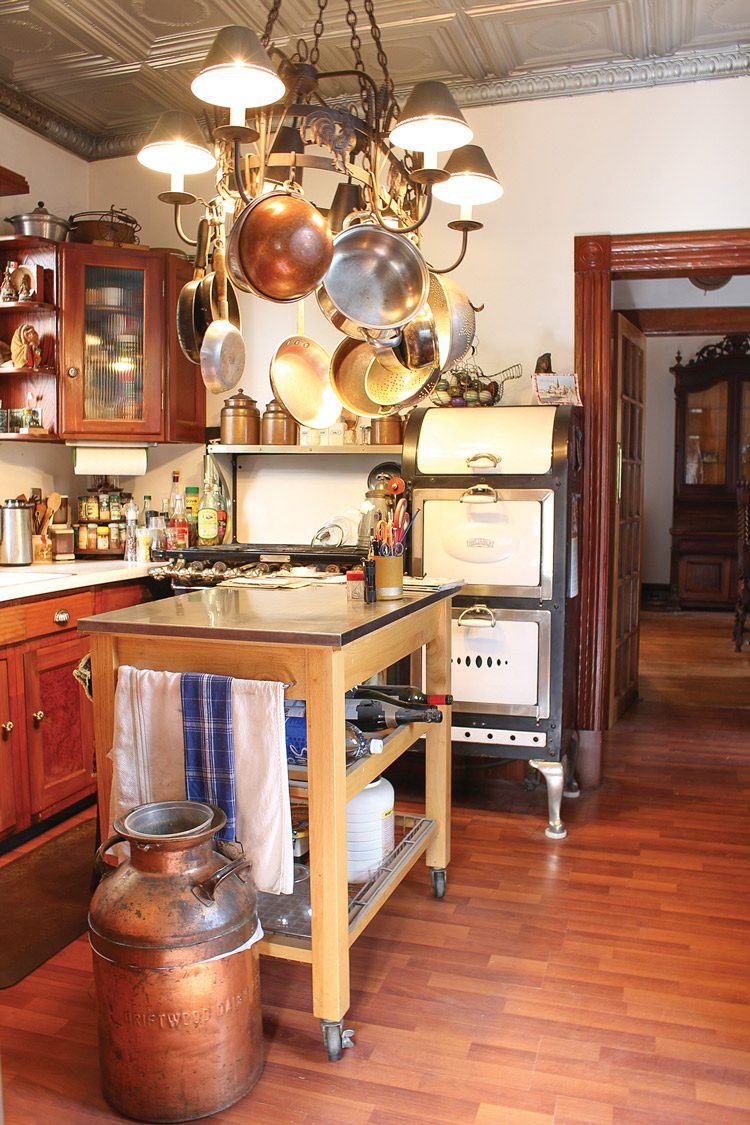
pixel 385 534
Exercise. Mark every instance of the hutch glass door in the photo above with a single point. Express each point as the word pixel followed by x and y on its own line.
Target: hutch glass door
pixel 114 304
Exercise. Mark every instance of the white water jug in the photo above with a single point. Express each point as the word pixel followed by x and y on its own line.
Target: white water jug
pixel 370 833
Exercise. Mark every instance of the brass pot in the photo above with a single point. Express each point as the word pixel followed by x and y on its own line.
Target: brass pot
pixel 240 420
pixel 386 431
pixel 177 985
pixel 277 427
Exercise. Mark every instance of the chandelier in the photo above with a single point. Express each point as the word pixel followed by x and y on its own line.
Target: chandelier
pixel 281 123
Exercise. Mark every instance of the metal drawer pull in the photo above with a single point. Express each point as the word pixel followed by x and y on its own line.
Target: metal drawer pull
pixel 8 727
pixel 62 617
pixel 493 459
pixel 479 494
pixel 485 618
pixel 38 716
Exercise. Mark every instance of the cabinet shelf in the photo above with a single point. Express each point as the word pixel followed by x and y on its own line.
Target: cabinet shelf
pixel 295 450
pixel 35 306
pixel 28 370
pixel 30 437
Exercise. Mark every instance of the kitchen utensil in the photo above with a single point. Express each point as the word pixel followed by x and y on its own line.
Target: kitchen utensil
pixel 416 352
pixel 386 336
pixel 15 533
pixel 277 427
pixel 53 503
pixel 386 431
pixel 187 333
pixel 280 247
pixel 222 355
pixel 455 320
pixel 377 278
pixel 103 226
pixel 239 421
pixel 40 224
pixel 206 307
pixel 301 379
pixel 349 365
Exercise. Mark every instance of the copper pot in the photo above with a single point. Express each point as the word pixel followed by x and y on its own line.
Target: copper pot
pixel 279 248
pixel 386 431
pixel 277 427
pixel 177 984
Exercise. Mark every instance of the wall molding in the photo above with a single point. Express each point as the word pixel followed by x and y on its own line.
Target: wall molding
pixel 567 82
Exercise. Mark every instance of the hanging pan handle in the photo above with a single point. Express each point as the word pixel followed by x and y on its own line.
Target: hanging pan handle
pixel 205 892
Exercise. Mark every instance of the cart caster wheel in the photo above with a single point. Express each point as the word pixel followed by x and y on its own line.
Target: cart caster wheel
pixel 335 1038
pixel 439 880
pixel 572 789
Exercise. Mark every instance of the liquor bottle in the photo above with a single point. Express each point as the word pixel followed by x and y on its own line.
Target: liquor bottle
pixel 208 514
pixel 131 533
pixel 191 504
pixel 149 511
pixel 175 490
pixel 177 528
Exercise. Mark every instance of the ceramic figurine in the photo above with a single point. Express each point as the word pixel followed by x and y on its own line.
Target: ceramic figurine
pixel 24 347
pixel 7 291
pixel 24 289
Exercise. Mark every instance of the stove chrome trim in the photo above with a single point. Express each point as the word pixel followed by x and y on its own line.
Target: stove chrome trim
pixel 545 496
pixel 496 735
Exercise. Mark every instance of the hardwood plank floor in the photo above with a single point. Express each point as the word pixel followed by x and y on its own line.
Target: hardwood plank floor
pixel 602 979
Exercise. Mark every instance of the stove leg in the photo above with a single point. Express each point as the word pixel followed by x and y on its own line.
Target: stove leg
pixel 554 775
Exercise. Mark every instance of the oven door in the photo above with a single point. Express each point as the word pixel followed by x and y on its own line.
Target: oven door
pixel 500 660
pixel 497 540
pixel 494 440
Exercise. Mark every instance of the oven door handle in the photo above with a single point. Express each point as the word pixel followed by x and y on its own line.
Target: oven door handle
pixel 479 494
pixel 485 618
pixel 493 459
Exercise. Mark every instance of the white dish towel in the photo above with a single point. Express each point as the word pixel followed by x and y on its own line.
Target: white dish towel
pixel 148 763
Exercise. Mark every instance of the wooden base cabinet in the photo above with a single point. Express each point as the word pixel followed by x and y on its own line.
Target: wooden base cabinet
pixel 46 721
pixel 59 726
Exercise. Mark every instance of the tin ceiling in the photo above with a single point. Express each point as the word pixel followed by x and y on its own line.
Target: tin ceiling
pixel 94 76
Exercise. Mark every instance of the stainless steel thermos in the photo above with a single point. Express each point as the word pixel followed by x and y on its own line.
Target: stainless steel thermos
pixel 15 533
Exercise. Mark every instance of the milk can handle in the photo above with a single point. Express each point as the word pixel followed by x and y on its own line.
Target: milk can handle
pixel 205 892
pixel 102 869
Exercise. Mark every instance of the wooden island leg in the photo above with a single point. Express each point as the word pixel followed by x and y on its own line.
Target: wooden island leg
pixel 438 750
pixel 326 772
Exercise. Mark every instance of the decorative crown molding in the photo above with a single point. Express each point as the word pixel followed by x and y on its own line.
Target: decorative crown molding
pixel 693 67
pixel 570 81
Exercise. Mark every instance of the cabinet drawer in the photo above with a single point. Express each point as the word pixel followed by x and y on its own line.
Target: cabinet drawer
pixel 54 615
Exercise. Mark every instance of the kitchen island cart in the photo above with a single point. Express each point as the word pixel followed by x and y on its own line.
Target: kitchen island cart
pixel 320 645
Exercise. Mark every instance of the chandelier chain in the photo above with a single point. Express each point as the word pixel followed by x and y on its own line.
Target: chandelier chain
pixel 318 29
pixel 375 32
pixel 356 45
pixel 273 15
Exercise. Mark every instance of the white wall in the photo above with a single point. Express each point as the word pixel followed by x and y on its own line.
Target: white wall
pixel 619 162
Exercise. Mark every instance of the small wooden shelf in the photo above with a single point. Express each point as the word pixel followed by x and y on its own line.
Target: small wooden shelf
pixel 24 240
pixel 37 306
pixel 27 370
pixel 30 437
pixel 110 553
pixel 295 450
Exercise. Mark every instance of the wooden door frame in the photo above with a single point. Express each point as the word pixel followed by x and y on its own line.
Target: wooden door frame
pixel 598 261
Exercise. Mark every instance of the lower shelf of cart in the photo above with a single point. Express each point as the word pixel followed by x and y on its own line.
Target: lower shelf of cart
pixel 287 919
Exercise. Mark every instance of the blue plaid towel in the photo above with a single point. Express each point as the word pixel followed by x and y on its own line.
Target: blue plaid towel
pixel 209 743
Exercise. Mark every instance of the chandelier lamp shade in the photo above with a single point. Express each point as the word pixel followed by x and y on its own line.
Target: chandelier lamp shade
pixel 238 74
pixel 280 112
pixel 176 146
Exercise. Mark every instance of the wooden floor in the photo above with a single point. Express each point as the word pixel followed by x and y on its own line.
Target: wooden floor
pixel 600 979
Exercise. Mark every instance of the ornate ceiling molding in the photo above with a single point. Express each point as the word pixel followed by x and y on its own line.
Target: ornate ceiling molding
pixel 571 80
pixel 566 82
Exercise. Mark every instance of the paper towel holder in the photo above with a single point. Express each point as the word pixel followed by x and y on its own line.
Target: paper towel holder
pixel 124 458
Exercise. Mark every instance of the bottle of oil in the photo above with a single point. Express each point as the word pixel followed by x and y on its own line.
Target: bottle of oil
pixel 209 508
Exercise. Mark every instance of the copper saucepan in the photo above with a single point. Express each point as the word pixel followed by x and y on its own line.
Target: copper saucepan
pixel 279 248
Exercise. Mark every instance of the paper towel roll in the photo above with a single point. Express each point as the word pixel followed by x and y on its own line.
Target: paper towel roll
pixel 109 461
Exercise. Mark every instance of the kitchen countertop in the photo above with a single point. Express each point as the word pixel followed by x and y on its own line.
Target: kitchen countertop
pixel 55 578
pixel 314 615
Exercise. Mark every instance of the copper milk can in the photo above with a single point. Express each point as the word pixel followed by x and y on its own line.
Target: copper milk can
pixel 177 983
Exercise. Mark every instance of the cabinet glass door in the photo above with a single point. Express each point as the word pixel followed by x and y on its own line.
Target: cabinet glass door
pixel 745 433
pixel 114 302
pixel 706 436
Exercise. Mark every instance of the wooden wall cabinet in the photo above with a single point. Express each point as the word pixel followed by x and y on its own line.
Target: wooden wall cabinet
pixel 111 367
pixel 712 452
